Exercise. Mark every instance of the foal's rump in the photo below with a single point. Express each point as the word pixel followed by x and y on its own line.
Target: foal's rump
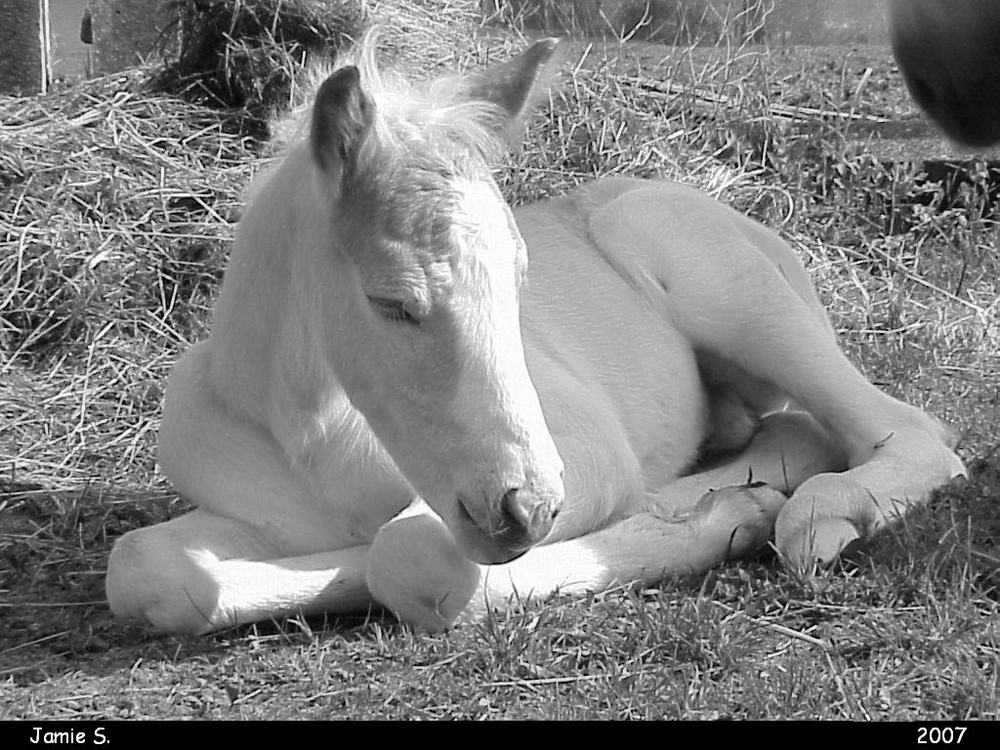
pixel 608 259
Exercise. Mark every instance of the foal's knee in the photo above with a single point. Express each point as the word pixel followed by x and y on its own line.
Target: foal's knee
pixel 153 579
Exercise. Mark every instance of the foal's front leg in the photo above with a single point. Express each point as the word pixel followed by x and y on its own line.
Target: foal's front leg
pixel 202 572
pixel 417 571
pixel 258 547
pixel 694 523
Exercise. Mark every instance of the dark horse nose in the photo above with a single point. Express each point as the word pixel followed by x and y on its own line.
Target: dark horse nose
pixel 527 515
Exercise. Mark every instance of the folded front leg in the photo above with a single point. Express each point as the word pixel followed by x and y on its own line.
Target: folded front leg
pixel 416 570
pixel 201 572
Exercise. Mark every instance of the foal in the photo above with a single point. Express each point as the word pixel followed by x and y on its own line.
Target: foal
pixel 396 406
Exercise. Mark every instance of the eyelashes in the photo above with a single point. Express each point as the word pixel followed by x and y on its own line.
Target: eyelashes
pixel 393 310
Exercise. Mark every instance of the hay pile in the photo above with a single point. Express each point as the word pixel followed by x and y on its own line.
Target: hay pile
pixel 247 54
pixel 117 209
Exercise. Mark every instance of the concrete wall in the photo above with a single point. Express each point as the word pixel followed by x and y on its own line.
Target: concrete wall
pixel 69 53
pixel 40 39
pixel 24 46
pixel 127 31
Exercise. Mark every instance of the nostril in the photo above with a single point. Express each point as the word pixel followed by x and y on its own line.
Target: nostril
pixel 524 513
pixel 514 511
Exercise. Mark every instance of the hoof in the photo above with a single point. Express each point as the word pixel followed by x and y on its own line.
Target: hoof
pixel 826 514
pixel 738 521
pixel 416 570
pixel 818 545
pixel 158 585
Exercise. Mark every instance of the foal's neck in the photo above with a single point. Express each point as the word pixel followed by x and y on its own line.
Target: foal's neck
pixel 268 362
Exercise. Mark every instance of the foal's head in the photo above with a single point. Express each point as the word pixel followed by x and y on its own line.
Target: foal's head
pixel 422 310
pixel 949 54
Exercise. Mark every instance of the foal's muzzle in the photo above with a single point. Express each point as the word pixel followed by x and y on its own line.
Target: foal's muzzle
pixel 506 529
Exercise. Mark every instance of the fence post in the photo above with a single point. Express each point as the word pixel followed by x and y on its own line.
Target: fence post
pixel 25 57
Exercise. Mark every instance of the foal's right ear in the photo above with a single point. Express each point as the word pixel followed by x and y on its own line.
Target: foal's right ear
pixel 516 85
pixel 341 119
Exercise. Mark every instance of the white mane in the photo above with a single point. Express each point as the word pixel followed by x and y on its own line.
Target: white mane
pixel 435 114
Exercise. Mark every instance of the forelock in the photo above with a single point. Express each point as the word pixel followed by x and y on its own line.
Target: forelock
pixel 429 117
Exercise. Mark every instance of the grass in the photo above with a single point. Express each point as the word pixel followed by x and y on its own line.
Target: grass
pixel 116 211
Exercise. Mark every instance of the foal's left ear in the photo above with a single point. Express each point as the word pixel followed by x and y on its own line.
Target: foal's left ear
pixel 515 85
pixel 342 117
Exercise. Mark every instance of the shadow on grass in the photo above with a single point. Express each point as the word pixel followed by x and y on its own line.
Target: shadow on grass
pixel 54 549
pixel 53 614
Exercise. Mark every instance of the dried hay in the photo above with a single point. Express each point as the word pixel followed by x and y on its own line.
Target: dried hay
pixel 117 213
pixel 236 53
pixel 248 53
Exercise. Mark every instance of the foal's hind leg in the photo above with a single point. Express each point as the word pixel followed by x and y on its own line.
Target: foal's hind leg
pixel 734 289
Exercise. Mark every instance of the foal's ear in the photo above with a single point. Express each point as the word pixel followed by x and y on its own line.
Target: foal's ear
pixel 342 116
pixel 516 85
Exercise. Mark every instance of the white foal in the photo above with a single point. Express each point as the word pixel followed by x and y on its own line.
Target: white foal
pixel 949 54
pixel 394 406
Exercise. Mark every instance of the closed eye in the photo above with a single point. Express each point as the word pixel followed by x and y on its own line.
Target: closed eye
pixel 393 310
